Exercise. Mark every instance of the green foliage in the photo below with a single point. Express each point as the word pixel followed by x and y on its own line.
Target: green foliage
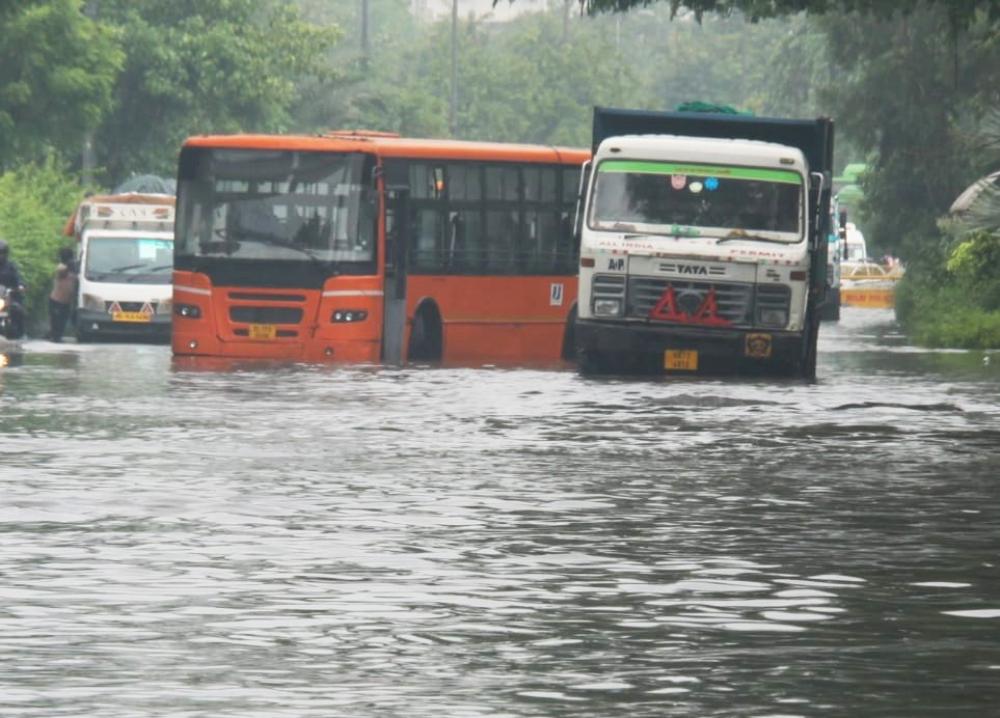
pixel 900 104
pixel 205 66
pixel 960 12
pixel 939 314
pixel 57 70
pixel 35 202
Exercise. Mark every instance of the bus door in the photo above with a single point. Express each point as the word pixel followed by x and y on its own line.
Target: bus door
pixel 394 298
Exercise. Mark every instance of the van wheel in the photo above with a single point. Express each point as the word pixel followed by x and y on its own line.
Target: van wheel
pixel 425 335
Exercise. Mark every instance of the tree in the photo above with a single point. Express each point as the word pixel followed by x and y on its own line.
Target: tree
pixel 203 66
pixel 960 12
pixel 35 202
pixel 57 71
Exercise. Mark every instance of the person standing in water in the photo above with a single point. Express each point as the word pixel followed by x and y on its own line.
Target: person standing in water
pixel 62 295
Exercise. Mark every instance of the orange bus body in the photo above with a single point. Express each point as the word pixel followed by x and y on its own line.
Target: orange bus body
pixel 519 314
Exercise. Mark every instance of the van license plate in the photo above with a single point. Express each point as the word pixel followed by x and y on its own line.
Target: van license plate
pixel 263 331
pixel 680 360
pixel 130 317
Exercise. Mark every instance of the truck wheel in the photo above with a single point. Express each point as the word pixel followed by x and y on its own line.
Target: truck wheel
pixel 591 364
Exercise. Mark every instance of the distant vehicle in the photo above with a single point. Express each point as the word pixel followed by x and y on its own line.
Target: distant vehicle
pixel 369 247
pixel 836 245
pixel 869 284
pixel 854 242
pixel 704 243
pixel 125 255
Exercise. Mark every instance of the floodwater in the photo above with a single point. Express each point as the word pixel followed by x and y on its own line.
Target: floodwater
pixel 180 541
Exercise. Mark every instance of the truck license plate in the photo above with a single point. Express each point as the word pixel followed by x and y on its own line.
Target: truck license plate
pixel 263 331
pixel 680 360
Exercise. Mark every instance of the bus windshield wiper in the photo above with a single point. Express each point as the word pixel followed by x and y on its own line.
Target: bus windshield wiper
pixel 276 241
pixel 743 234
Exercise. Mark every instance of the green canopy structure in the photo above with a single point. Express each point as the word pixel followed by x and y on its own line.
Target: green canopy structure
pixel 846 186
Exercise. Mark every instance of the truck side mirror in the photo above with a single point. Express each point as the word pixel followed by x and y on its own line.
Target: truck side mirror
pixel 580 190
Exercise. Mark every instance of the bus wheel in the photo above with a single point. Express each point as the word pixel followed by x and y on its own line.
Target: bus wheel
pixel 425 335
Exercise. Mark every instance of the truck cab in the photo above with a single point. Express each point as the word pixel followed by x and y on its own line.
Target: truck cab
pixel 702 253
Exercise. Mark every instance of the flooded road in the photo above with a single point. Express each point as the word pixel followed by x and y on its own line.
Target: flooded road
pixel 181 541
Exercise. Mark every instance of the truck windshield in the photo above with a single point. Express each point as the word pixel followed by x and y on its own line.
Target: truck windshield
pixel 276 206
pixel 697 200
pixel 133 260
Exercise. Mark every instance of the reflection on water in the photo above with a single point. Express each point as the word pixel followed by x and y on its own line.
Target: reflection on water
pixel 364 541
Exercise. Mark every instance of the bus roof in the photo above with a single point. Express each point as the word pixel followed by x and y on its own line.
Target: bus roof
pixel 387 145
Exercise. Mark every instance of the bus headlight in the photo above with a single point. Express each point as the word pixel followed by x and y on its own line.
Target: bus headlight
pixel 188 311
pixel 772 317
pixel 348 315
pixel 607 307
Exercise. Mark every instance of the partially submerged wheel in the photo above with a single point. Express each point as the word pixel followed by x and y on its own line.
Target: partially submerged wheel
pixel 426 336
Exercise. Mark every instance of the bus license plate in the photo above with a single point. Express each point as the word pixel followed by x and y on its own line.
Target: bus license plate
pixel 680 360
pixel 263 331
pixel 130 317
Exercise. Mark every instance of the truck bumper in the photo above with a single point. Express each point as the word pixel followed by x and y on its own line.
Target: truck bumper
pixel 91 325
pixel 624 346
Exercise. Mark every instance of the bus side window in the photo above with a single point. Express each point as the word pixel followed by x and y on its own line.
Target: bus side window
pixel 427 205
pixel 503 219
pixel 427 240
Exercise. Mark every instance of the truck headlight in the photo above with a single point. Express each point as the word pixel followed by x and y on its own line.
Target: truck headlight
pixel 607 307
pixel 772 317
pixel 92 303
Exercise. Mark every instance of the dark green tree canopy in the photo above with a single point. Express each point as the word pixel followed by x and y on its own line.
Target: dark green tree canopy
pixel 961 12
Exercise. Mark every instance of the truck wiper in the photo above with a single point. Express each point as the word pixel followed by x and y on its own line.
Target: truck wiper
pixel 741 234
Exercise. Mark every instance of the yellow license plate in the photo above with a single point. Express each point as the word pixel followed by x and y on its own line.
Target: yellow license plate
pixel 130 317
pixel 680 360
pixel 263 331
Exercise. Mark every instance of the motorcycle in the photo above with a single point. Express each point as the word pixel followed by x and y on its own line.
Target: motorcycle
pixel 9 321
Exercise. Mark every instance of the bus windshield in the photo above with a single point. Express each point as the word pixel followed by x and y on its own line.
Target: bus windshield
pixel 133 260
pixel 276 205
pixel 698 200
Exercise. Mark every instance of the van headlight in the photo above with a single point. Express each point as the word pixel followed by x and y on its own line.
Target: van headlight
pixel 92 303
pixel 772 317
pixel 607 307
pixel 165 306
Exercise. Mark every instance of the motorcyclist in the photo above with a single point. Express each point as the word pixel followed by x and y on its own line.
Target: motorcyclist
pixel 10 277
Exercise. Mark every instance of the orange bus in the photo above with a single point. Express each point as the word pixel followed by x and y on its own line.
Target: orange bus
pixel 369 247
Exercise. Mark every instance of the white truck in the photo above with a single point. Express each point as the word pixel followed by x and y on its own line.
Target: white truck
pixel 703 243
pixel 125 258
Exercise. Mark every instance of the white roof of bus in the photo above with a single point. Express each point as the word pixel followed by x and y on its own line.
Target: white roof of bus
pixel 675 148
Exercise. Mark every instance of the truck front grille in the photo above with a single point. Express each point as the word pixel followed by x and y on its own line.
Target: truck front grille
pixel 734 301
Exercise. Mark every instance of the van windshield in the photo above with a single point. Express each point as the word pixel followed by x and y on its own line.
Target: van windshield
pixel 132 260
pixel 696 200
